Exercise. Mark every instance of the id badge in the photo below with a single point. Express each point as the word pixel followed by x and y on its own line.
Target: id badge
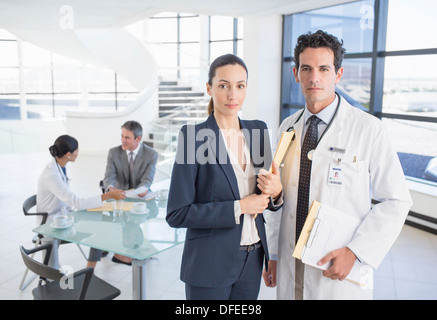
pixel 335 176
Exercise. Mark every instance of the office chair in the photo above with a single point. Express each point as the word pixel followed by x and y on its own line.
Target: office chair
pixel 28 204
pixel 54 285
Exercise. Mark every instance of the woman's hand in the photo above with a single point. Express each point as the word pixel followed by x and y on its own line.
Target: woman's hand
pixel 254 204
pixel 270 183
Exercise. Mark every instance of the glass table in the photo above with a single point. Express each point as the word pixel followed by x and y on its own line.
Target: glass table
pixel 138 236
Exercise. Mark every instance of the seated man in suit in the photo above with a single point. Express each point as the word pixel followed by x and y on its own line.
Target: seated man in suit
pixel 130 166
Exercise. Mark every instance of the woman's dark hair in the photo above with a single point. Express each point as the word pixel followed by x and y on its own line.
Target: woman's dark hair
pixel 224 60
pixel 63 145
pixel 320 39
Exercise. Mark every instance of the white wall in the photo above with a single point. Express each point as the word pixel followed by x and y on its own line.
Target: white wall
pixel 262 55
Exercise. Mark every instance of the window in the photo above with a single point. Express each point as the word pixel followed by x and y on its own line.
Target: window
pixel 354 23
pixel 396 80
pixel 177 40
pixel 225 36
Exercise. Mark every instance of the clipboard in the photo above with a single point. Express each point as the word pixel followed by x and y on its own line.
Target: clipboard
pixel 327 229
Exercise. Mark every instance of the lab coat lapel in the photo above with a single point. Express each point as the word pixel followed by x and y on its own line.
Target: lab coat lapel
pixel 333 132
pixel 217 146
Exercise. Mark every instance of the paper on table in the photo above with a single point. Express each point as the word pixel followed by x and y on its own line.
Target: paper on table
pixel 327 229
pixel 107 206
pixel 133 193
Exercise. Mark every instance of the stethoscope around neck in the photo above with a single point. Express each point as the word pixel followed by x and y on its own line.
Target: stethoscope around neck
pixel 329 124
pixel 62 173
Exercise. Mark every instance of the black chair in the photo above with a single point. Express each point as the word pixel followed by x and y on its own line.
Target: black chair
pixel 54 285
pixel 28 205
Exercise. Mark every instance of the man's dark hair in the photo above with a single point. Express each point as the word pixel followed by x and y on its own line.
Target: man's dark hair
pixel 320 39
pixel 135 127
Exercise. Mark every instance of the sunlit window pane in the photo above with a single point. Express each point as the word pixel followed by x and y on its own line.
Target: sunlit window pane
pixel 40 105
pixel 190 29
pixel 356 80
pixel 37 80
pixel 162 30
pixel 220 48
pixel 10 107
pixel 411 24
pixel 6 35
pixel 352 22
pixel 190 55
pixel 222 28
pixel 67 80
pixel 410 85
pixel 34 56
pixel 9 80
pixel 9 54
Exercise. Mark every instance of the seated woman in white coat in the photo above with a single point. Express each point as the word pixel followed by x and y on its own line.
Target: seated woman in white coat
pixel 53 191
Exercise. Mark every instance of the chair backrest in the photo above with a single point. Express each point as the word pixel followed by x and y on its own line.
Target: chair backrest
pixel 41 269
pixel 28 204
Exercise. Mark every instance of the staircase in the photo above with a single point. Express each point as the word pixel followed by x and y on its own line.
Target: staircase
pixel 178 105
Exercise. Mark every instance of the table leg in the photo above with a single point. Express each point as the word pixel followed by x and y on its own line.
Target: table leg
pixel 139 279
pixel 54 257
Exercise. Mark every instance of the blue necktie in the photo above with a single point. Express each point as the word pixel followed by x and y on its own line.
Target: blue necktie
pixel 309 143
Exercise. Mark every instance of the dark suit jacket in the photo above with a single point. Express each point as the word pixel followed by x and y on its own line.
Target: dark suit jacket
pixel 201 198
pixel 117 168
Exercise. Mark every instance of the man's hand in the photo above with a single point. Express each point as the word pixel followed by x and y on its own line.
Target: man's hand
pixel 342 263
pixel 270 276
pixel 141 195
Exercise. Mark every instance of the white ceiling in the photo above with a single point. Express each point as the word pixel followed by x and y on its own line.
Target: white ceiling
pixel 47 14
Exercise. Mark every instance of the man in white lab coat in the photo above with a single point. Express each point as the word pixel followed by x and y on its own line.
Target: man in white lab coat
pixel 354 142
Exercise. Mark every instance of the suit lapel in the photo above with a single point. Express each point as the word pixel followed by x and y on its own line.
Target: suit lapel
pixel 124 164
pixel 217 146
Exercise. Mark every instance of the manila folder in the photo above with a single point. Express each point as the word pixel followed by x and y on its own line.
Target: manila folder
pixel 327 229
pixel 282 148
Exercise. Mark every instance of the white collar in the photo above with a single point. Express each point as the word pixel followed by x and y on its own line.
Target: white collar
pixel 326 114
pixel 134 151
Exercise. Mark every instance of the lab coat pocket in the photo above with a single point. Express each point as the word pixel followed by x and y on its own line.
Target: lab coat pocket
pixel 354 175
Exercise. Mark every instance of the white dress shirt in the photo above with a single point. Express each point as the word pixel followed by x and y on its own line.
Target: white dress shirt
pixel 246 181
pixel 135 152
pixel 325 115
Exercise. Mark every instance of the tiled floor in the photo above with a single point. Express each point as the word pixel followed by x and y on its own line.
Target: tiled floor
pixel 408 272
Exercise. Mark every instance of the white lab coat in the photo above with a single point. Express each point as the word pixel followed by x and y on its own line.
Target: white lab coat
pixel 376 174
pixel 53 193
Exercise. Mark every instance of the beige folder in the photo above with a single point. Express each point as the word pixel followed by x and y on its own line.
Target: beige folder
pixel 306 230
pixel 282 148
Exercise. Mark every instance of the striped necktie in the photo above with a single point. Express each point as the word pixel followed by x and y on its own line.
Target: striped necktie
pixel 309 143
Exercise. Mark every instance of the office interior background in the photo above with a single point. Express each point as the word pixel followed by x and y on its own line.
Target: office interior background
pixel 85 67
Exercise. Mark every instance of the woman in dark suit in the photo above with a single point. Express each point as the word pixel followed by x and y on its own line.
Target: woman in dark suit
pixel 217 194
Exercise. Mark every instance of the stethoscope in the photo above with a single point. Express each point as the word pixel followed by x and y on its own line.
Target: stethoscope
pixel 310 153
pixel 62 173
